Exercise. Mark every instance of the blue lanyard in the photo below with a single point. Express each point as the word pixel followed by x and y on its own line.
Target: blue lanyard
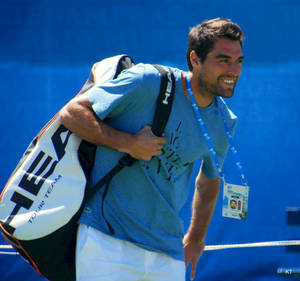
pixel 208 139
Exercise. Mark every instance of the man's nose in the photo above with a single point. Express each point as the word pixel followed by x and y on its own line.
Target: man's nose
pixel 235 69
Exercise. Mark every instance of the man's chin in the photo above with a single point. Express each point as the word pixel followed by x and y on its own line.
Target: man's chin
pixel 226 94
pixel 229 95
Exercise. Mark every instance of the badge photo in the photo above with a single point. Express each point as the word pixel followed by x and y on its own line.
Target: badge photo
pixel 235 201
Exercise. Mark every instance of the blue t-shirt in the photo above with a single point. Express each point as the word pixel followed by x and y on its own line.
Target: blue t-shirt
pixel 143 202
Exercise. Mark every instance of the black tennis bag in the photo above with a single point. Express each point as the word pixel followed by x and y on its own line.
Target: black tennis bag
pixel 43 199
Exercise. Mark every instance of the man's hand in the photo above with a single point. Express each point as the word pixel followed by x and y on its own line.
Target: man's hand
pixel 145 144
pixel 192 252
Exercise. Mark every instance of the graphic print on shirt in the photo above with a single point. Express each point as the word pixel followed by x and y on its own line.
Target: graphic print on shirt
pixel 170 161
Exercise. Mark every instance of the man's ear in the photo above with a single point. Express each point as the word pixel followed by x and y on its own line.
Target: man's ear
pixel 195 60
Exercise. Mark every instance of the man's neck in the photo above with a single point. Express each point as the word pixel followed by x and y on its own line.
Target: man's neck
pixel 202 98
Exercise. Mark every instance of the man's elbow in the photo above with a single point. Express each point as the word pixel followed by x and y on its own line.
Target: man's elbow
pixel 70 114
pixel 65 115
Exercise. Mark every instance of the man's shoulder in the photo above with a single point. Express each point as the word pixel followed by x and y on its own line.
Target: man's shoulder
pixel 226 111
pixel 230 118
pixel 149 75
pixel 147 69
pixel 141 71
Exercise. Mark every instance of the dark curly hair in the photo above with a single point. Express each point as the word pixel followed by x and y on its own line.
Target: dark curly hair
pixel 203 36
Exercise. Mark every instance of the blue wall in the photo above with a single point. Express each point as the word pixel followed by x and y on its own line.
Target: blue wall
pixel 47 49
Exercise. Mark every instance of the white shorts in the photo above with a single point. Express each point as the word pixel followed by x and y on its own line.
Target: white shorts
pixel 100 257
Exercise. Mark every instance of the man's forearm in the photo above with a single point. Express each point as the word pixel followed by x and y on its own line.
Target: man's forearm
pixel 204 202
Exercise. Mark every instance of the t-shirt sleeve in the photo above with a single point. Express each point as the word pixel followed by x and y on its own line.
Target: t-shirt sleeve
pixel 209 168
pixel 113 97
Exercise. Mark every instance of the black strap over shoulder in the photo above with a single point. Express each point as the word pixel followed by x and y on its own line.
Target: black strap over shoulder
pixel 161 117
pixel 164 101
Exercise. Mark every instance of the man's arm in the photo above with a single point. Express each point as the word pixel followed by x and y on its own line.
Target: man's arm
pixel 78 116
pixel 204 202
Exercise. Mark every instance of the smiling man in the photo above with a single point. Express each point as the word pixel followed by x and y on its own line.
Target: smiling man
pixel 133 230
pixel 214 58
pixel 215 65
pixel 222 64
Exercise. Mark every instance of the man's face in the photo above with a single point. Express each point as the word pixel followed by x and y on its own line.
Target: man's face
pixel 233 204
pixel 220 71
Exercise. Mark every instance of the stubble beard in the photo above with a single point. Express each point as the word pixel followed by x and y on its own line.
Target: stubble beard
pixel 215 89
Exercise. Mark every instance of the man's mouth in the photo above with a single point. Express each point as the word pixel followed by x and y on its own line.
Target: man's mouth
pixel 230 81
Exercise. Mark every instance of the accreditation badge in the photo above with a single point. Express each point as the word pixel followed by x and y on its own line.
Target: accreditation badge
pixel 235 201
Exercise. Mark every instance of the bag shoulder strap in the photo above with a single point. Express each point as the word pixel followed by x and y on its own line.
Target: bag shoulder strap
pixel 161 116
pixel 164 100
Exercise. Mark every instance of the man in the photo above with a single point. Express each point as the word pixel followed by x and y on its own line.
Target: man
pixel 132 230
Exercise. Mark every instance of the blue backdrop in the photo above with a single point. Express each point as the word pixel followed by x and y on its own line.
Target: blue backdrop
pixel 47 49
